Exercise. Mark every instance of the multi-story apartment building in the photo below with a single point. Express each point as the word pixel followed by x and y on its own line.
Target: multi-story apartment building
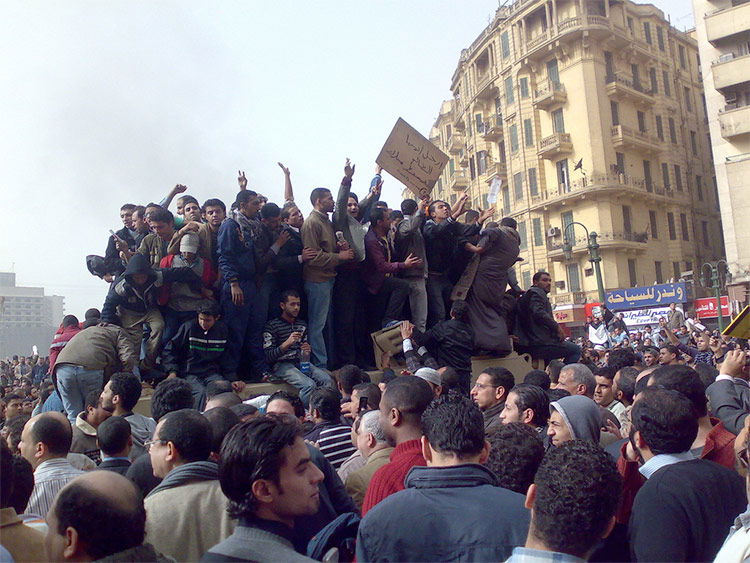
pixel 27 317
pixel 722 29
pixel 587 111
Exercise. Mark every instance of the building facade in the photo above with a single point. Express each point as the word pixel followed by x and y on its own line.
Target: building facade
pixel 591 112
pixel 722 29
pixel 28 317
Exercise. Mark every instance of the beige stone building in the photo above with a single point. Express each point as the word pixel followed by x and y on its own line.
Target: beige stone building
pixel 608 85
pixel 722 29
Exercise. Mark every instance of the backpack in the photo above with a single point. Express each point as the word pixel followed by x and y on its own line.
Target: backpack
pixel 341 534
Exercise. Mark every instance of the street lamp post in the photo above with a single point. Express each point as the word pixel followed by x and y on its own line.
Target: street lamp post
pixel 594 257
pixel 720 268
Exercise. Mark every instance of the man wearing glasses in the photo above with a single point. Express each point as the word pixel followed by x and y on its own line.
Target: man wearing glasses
pixel 490 393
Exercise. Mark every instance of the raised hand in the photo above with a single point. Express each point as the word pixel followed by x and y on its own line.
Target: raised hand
pixel 486 214
pixel 349 169
pixel 242 180
pixel 378 169
pixel 284 169
pixel 376 189
pixel 179 189
pixel 407 329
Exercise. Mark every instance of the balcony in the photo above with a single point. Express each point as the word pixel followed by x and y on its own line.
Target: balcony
pixel 625 137
pixel 597 27
pixel 492 129
pixel 459 181
pixel 549 95
pixel 555 145
pixel 486 88
pixel 463 159
pixel 730 71
pixel 727 22
pixel 495 169
pixel 617 186
pixel 456 143
pixel 619 241
pixel 624 89
pixel 568 298
pixel 734 121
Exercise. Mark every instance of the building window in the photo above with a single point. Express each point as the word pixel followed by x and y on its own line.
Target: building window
pixel 563 179
pixel 681 53
pixel 513 138
pixel 684 227
pixel 676 270
pixel 574 279
pixel 501 151
pixel 671 226
pixel 505 44
pixel 482 162
pixel 659 275
pixel 654 83
pixel 699 186
pixel 552 72
pixel 660 38
pixel 704 228
pixel 567 219
pixel 609 65
pixel 641 121
pixel 688 103
pixel 688 266
pixel 526 277
pixel 518 186
pixel 533 186
pixel 630 25
pixel 678 177
pixel 536 225
pixel 479 122
pixel 647 176
pixel 472 168
pixel 620 159
pixel 667 87
pixel 615 109
pixel 523 86
pixel 451 166
pixel 509 99
pixel 647 32
pixel 694 142
pixel 506 201
pixel 659 128
pixel 632 272
pixel 636 76
pixel 558 123
pixel 665 175
pixel 672 131
pixel 498 107
pixel 528 133
pixel 654 225
pixel 627 223
pixel 522 235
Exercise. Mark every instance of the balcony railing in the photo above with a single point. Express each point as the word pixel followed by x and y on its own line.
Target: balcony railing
pixel 554 145
pixel 619 86
pixel 604 239
pixel 459 180
pixel 627 137
pixel 492 128
pixel 598 181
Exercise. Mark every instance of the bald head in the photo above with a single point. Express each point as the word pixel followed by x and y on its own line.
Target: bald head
pixel 45 436
pixel 86 502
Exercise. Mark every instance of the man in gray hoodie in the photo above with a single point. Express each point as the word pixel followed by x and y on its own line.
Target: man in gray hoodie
pixel 575 417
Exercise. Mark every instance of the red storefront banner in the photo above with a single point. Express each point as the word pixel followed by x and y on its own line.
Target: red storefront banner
pixel 705 308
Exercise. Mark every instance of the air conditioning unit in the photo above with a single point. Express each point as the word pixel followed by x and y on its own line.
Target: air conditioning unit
pixel 553 232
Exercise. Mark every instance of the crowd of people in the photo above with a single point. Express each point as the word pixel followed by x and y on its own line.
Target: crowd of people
pixel 636 449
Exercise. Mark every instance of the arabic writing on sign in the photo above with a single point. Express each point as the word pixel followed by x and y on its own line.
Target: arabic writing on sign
pixel 412 159
pixel 661 294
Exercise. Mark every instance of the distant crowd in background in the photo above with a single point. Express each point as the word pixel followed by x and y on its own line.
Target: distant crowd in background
pixel 141 436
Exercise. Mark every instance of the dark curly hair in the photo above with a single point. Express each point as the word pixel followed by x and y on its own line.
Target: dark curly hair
pixel 666 420
pixel 253 450
pixel 453 424
pixel 577 493
pixel 516 450
pixel 171 395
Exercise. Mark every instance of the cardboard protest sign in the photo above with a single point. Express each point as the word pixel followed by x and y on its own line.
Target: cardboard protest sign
pixel 412 159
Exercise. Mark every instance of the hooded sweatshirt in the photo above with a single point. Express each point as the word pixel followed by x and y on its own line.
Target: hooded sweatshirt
pixel 142 429
pixel 84 439
pixel 582 415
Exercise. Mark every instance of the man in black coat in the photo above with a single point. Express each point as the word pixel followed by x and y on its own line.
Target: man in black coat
pixel 538 331
pixel 686 506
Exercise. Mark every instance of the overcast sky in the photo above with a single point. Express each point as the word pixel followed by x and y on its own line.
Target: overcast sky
pixel 111 102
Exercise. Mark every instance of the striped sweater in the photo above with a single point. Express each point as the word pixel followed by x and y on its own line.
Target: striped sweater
pixel 275 333
pixel 193 351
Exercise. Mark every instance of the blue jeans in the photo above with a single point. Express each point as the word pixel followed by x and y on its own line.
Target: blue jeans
pixel 198 388
pixel 305 383
pixel 74 383
pixel 319 315
pixel 173 320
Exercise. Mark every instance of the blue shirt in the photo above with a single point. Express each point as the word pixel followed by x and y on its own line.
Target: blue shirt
pixel 662 460
pixel 528 555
